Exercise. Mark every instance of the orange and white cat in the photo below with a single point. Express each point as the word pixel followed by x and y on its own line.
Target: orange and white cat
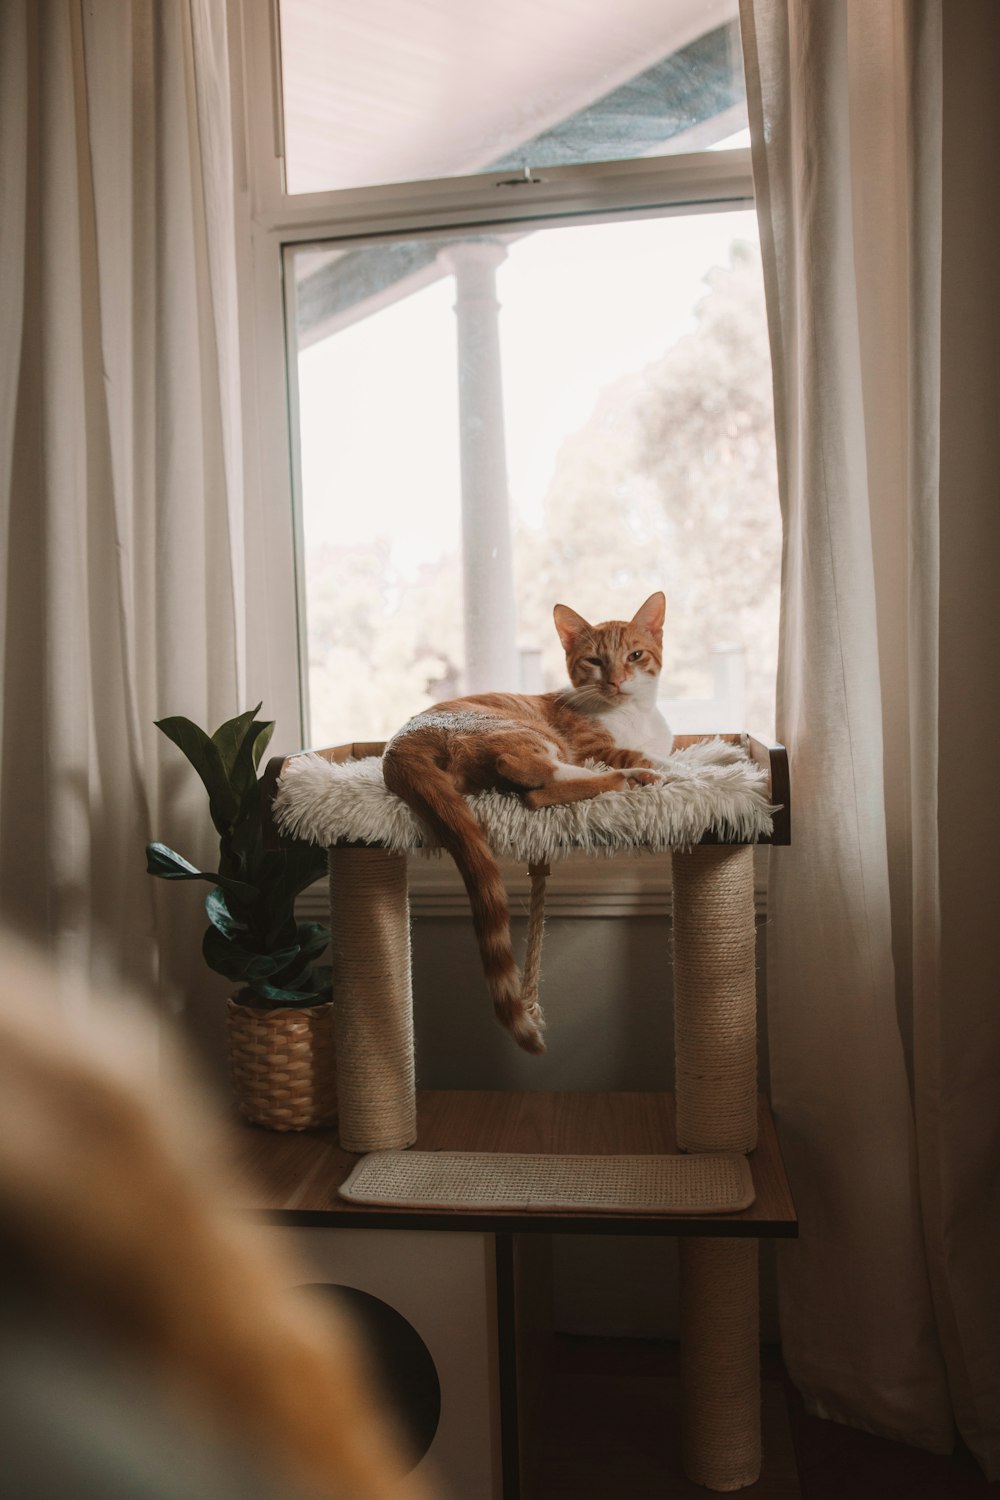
pixel 536 746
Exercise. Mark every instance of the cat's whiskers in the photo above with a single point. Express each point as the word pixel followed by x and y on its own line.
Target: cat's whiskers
pixel 583 699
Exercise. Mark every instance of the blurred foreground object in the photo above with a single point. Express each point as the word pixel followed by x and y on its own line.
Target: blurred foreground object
pixel 148 1344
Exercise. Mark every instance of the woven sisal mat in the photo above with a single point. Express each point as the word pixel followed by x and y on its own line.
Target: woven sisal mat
pixel 705 1184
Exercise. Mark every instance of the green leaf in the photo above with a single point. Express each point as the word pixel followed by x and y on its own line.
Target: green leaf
pixel 230 736
pixel 241 854
pixel 231 958
pixel 205 757
pixel 262 741
pixel 282 934
pixel 314 988
pixel 244 769
pixel 278 996
pixel 167 865
pixel 223 956
pixel 313 938
pixel 294 870
pixel 240 890
pixel 221 917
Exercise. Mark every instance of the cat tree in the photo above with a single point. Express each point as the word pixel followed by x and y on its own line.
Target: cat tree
pixel 715 1082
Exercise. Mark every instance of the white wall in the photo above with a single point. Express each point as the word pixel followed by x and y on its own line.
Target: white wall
pixel 606 992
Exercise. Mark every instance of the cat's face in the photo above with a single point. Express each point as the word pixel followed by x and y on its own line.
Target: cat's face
pixel 616 661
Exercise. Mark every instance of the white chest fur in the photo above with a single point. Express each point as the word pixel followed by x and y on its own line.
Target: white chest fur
pixel 636 726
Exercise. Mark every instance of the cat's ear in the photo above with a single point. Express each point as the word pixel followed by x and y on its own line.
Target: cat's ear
pixel 569 624
pixel 650 616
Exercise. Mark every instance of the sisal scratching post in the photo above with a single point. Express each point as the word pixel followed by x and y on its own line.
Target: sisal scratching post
pixel 373 1001
pixel 715 1033
pixel 720 1363
pixel 715 998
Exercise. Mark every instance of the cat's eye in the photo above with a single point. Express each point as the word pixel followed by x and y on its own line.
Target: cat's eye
pixel 593 661
pixel 634 655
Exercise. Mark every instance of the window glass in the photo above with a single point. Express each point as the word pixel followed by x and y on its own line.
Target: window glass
pixel 379 91
pixel 492 424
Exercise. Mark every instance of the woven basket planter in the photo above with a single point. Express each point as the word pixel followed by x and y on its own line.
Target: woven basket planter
pixel 282 1065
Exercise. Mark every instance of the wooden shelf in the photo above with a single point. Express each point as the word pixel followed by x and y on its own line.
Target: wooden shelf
pixel 293 1177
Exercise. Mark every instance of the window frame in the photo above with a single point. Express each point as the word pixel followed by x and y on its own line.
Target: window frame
pixel 269 221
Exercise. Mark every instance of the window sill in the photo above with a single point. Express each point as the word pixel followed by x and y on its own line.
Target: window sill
pixel 629 885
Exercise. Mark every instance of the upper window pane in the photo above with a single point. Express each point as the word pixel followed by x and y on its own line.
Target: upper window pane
pixel 379 91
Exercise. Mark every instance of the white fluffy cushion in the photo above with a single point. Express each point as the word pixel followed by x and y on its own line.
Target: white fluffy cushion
pixel 711 785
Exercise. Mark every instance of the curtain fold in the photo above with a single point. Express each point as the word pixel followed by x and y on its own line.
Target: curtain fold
pixel 833 111
pixel 846 121
pixel 121 523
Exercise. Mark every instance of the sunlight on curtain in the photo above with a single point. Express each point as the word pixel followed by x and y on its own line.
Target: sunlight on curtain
pixel 121 529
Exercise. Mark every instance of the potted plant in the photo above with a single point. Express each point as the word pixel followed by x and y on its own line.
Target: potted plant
pixel 280 1017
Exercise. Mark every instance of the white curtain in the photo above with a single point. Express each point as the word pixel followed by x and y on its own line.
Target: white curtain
pixel 846 120
pixel 121 516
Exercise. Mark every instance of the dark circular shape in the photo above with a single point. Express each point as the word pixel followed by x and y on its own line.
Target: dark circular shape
pixel 403 1364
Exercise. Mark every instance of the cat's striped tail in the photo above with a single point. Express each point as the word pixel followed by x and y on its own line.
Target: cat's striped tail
pixel 433 797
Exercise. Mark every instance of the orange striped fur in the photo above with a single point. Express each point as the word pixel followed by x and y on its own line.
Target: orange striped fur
pixel 536 747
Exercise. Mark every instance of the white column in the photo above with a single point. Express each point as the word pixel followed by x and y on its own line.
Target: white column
pixel 729 685
pixel 491 660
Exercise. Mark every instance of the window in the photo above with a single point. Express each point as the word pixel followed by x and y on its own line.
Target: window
pixel 537 369
pixel 490 423
pixel 389 91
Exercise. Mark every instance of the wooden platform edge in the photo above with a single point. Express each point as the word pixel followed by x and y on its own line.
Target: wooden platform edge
pixel 774 759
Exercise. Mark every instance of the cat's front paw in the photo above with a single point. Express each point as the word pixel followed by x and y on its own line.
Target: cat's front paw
pixel 643 776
